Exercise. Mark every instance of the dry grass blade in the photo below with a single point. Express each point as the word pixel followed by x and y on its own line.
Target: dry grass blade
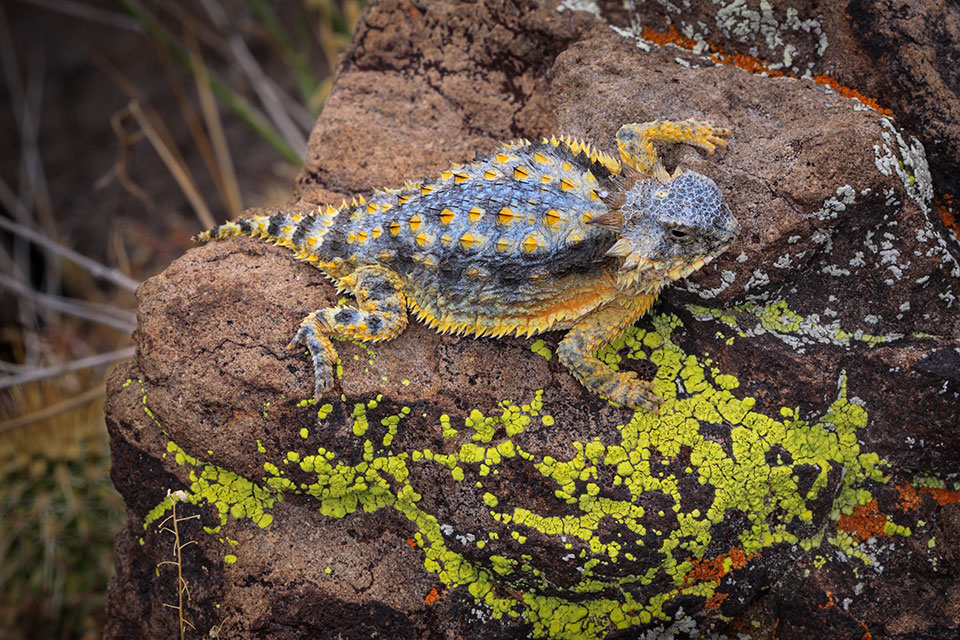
pixel 102 314
pixel 10 201
pixel 48 412
pixel 175 165
pixel 119 169
pixel 249 114
pixel 223 171
pixel 194 124
pixel 34 374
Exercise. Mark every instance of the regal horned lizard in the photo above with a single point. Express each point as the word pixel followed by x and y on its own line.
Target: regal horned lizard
pixel 536 237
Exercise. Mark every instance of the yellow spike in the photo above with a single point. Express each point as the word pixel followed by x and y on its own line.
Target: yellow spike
pixel 521 173
pixel 352 237
pixel 415 222
pixel 503 244
pixel 429 261
pixel 554 141
pixel 385 206
pixel 574 237
pixel 446 216
pixel 567 184
pixel 445 238
pixel 587 216
pixel 460 177
pixel 394 228
pixel 594 155
pixel 490 174
pixel 551 217
pixel 593 195
pixel 529 244
pixel 422 238
pixel 387 255
pixel 566 166
pixel 376 231
pixel 425 189
pixel 589 177
pixel 362 237
pixel 472 272
pixel 575 147
pixel 621 248
pixel 361 200
pixel 475 214
pixel 372 207
pixel 539 157
pixel 353 202
pixel 311 241
pixel 505 216
pixel 545 179
pixel 446 175
pixel 501 158
pixel 403 199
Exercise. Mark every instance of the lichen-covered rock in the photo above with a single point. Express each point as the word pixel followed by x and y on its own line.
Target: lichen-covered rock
pixel 796 482
pixel 902 56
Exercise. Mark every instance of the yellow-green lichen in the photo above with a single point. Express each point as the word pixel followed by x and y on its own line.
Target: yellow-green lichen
pixel 653 456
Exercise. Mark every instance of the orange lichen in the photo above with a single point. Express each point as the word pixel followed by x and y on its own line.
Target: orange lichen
pixel 715 601
pixel 670 36
pixel 832 603
pixel 851 93
pixel 951 220
pixel 910 496
pixel 942 496
pixel 432 597
pixel 756 65
pixel 412 542
pixel 865 522
pixel 713 569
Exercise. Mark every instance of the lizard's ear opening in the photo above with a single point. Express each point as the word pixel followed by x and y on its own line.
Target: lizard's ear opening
pixel 612 220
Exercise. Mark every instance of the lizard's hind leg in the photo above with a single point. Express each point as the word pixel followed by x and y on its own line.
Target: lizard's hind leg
pixel 381 314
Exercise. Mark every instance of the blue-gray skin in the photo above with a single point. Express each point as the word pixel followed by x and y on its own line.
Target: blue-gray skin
pixel 536 237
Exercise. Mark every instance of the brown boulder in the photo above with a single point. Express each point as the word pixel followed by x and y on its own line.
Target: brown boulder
pixel 793 484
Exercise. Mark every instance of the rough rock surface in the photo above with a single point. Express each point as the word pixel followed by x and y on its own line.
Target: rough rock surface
pixel 905 54
pixel 797 481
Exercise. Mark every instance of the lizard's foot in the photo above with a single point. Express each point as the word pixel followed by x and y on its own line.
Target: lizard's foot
pixel 630 391
pixel 710 138
pixel 321 350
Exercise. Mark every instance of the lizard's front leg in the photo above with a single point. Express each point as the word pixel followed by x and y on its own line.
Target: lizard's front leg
pixel 577 351
pixel 635 141
pixel 381 314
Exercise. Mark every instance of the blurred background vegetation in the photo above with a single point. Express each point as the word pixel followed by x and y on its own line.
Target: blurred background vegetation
pixel 127 127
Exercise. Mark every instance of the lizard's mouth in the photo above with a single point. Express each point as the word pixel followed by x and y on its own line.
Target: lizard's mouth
pixel 665 271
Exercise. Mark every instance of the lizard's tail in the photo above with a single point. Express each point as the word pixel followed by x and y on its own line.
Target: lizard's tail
pixel 302 233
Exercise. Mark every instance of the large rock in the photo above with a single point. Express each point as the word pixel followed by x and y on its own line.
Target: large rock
pixel 901 55
pixel 795 482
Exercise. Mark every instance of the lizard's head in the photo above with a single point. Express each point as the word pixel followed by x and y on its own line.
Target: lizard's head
pixel 668 226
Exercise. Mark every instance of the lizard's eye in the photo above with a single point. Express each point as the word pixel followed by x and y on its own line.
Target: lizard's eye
pixel 680 234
